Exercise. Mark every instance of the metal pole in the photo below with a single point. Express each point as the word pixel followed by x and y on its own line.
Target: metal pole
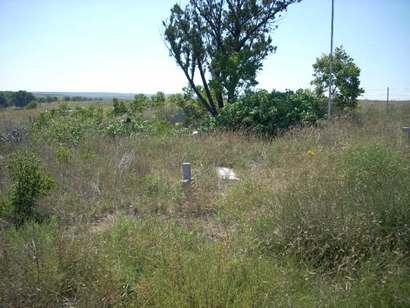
pixel 330 103
pixel 388 95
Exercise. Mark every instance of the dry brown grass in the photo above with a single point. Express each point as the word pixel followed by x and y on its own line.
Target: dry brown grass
pixel 126 232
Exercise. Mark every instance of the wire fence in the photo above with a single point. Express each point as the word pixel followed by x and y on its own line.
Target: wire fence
pixel 381 94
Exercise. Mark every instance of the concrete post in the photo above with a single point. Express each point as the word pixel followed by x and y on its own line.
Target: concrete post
pixel 186 173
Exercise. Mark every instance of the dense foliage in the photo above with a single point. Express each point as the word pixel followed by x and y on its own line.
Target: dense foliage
pixel 260 112
pixel 18 99
pixel 223 41
pixel 345 87
pixel 47 99
pixel 267 113
pixel 77 98
pixel 3 100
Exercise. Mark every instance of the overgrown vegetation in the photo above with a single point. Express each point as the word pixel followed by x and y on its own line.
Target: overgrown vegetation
pixel 356 210
pixel 93 212
pixel 28 183
pixel 18 99
pixel 345 78
pixel 319 217
pixel 268 114
pixel 223 43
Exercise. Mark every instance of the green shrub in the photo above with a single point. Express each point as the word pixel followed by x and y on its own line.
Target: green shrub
pixel 139 104
pixel 189 111
pixel 267 113
pixel 65 126
pixel 31 105
pixel 195 114
pixel 90 115
pixel 158 98
pixel 62 153
pixel 116 127
pixel 54 127
pixel 119 108
pixel 29 183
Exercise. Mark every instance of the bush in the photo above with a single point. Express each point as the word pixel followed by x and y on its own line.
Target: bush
pixel 193 112
pixel 56 128
pixel 115 127
pixel 139 104
pixel 29 183
pixel 22 98
pixel 119 108
pixel 3 100
pixel 65 126
pixel 158 98
pixel 31 105
pixel 267 113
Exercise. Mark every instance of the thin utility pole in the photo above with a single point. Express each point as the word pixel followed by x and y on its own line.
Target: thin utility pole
pixel 330 103
pixel 388 95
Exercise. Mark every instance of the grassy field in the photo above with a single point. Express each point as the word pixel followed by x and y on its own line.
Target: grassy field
pixel 319 218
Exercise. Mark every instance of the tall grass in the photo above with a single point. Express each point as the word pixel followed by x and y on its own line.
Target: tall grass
pixel 320 217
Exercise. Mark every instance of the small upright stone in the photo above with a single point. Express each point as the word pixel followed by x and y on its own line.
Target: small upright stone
pixel 186 173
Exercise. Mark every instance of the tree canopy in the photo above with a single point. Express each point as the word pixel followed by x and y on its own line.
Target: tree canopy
pixel 345 86
pixel 221 44
pixel 22 98
pixel 3 101
pixel 18 99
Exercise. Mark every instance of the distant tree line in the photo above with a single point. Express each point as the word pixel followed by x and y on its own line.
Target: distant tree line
pixel 23 98
pixel 47 99
pixel 18 99
pixel 65 98
pixel 79 98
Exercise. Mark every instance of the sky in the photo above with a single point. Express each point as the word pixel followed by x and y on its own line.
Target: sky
pixel 116 45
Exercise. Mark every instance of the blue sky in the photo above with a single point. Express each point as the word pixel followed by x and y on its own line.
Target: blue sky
pixel 116 45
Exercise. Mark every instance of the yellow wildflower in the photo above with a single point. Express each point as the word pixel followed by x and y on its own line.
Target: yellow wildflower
pixel 311 153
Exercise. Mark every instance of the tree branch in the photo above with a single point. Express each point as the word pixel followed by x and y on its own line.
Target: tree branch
pixel 204 82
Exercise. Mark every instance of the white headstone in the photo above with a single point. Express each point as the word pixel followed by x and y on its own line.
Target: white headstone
pixel 226 174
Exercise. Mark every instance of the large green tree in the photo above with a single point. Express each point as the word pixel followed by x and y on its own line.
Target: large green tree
pixel 220 44
pixel 345 87
pixel 22 98
pixel 3 101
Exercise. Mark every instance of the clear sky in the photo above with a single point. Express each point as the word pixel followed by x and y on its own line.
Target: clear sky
pixel 116 45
